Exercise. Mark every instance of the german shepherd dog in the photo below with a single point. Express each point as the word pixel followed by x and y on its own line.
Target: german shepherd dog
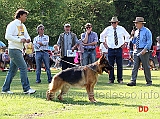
pixel 81 76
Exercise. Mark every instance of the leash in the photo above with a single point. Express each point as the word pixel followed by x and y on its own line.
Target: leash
pixel 59 59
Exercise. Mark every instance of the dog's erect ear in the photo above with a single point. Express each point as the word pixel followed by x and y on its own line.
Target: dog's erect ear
pixel 101 59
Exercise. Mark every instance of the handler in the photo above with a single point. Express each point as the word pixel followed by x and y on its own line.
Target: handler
pixel 67 41
pixel 17 35
pixel 143 42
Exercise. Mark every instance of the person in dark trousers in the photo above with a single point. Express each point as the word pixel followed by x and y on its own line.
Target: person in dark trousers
pixel 67 41
pixel 142 44
pixel 116 37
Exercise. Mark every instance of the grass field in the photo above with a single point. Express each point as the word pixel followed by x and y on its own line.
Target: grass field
pixel 115 101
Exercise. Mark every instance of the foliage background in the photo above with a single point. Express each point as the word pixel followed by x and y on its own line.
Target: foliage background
pixel 53 14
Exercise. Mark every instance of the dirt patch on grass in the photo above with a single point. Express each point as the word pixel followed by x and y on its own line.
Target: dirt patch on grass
pixel 32 116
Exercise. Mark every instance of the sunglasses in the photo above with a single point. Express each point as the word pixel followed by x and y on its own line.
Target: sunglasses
pixel 136 23
pixel 88 27
pixel 113 22
pixel 41 29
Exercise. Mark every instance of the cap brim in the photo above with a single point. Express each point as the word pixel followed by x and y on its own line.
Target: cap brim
pixel 88 26
pixel 67 26
pixel 114 21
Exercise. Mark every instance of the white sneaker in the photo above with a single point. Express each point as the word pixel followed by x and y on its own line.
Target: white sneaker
pixel 7 92
pixel 30 91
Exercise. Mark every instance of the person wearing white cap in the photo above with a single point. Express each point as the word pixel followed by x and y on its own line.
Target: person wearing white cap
pixel 142 41
pixel 67 41
pixel 116 36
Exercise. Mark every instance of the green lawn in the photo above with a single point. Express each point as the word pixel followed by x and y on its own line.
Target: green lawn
pixel 115 101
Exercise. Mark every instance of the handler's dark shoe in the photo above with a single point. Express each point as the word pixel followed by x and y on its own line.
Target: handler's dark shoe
pixel 120 82
pixel 131 84
pixel 148 84
pixel 110 82
pixel 38 81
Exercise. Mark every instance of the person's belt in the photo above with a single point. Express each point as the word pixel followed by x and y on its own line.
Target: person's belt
pixel 105 52
pixel 42 51
pixel 115 48
pixel 89 49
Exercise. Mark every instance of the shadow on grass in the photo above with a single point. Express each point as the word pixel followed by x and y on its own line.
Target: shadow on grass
pixel 144 85
pixel 103 81
pixel 82 102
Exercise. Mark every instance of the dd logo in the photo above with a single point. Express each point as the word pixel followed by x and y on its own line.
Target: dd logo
pixel 143 108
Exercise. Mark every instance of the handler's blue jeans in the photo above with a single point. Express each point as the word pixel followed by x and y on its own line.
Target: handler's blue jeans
pixel 89 56
pixel 42 56
pixel 16 61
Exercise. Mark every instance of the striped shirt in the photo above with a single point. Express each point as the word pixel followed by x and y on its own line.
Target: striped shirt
pixel 44 39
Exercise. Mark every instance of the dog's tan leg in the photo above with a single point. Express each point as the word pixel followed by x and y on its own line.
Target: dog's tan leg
pixel 90 91
pixel 64 90
pixel 54 86
pixel 50 95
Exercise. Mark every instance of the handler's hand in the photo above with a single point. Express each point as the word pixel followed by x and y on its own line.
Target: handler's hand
pixel 88 31
pixel 143 51
pixel 132 32
pixel 40 43
pixel 72 49
pixel 28 40
pixel 124 45
pixel 23 40
pixel 105 45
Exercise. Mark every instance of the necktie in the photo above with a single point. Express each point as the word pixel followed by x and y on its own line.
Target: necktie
pixel 137 40
pixel 115 37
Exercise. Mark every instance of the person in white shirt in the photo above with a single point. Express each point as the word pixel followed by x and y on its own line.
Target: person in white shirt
pixel 103 50
pixel 17 35
pixel 40 43
pixel 116 36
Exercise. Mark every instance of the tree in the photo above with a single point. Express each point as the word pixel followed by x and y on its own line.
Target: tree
pixel 53 14
pixel 127 11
